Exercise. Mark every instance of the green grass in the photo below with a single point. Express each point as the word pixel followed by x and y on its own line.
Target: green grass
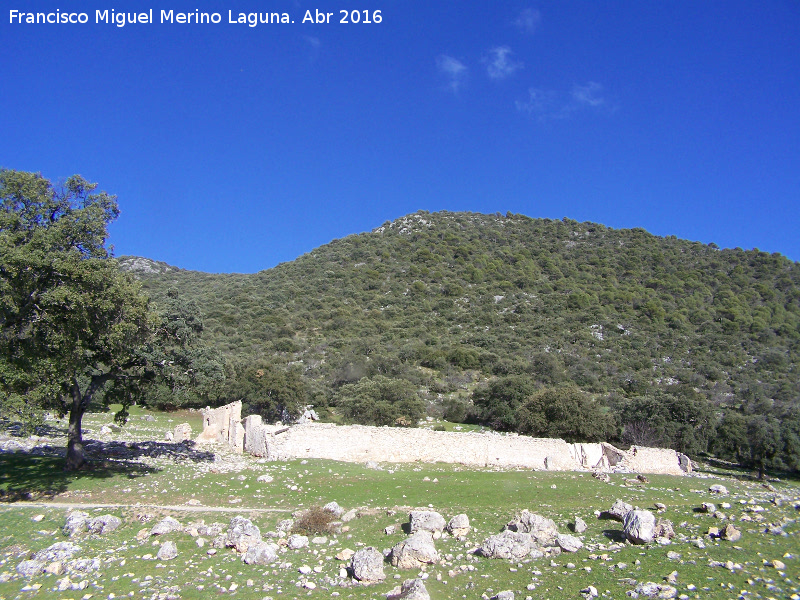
pixel 489 497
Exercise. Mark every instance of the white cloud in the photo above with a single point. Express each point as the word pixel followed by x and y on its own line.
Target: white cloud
pixel 499 63
pixel 528 20
pixel 454 70
pixel 550 105
pixel 539 102
pixel 588 95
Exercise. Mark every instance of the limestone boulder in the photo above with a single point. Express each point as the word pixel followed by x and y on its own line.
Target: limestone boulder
pixel 31 568
pixel 618 511
pixel 367 565
pixel 730 533
pixel 59 551
pixel 664 529
pixel 242 534
pixel 459 526
pixel 297 541
pixel 427 520
pixel 509 545
pixel 260 553
pixel 167 551
pixel 543 531
pixel 415 551
pixel 639 526
pixel 411 589
pixel 568 543
pixel 166 525
pixel 103 524
pixel 579 526
pixel 334 508
pixel 76 523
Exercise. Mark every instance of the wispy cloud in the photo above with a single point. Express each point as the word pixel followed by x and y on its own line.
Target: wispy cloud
pixel 528 20
pixel 551 105
pixel 454 71
pixel 588 95
pixel 539 102
pixel 499 63
pixel 312 41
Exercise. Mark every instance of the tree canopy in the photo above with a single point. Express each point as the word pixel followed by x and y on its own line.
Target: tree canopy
pixel 73 325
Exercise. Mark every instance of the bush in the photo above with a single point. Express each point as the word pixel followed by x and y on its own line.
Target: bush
pixel 564 412
pixel 315 520
pixel 381 400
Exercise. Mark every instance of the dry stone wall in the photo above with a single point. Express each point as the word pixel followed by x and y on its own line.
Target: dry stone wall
pixel 361 443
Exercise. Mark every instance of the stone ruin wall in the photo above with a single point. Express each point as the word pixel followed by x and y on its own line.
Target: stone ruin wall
pixel 361 443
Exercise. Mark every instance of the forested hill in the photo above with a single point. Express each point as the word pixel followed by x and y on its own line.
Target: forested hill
pixel 441 299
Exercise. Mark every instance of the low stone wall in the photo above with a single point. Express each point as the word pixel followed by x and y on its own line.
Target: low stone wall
pixel 360 443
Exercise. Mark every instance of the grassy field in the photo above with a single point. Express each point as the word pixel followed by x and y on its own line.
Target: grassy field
pixel 141 478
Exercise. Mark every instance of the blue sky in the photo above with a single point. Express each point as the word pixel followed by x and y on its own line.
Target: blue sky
pixel 234 148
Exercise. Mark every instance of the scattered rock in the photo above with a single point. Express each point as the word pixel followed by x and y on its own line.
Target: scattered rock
pixel 345 554
pixel 639 526
pixel 778 564
pixel 543 530
pixel 459 526
pixel 241 534
pixel 568 543
pixel 730 533
pixel 708 507
pixel 427 520
pixel 664 529
pixel 349 515
pixel 333 507
pixel 618 511
pixel 260 553
pixel 504 595
pixel 718 489
pixel 579 526
pixel 508 544
pixel 652 590
pixel 590 592
pixel 77 522
pixel 297 541
pixel 166 525
pixel 103 524
pixel 31 568
pixel 167 551
pixel 265 479
pixel 415 551
pixel 57 551
pixel 367 565
pixel 411 589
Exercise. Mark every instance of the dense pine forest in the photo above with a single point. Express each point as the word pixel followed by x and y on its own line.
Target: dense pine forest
pixel 538 326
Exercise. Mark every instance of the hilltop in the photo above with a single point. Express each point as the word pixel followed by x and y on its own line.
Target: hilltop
pixel 452 301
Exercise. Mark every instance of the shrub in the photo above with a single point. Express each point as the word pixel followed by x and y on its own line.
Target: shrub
pixel 315 520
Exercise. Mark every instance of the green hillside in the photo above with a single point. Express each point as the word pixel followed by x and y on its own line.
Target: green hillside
pixel 476 312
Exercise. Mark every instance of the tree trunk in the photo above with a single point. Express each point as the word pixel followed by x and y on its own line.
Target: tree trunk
pixel 76 457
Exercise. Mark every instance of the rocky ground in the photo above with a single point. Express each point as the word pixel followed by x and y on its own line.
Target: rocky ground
pixel 163 532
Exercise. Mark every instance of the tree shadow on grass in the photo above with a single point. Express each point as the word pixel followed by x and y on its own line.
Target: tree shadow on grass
pixel 38 473
pixel 27 475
